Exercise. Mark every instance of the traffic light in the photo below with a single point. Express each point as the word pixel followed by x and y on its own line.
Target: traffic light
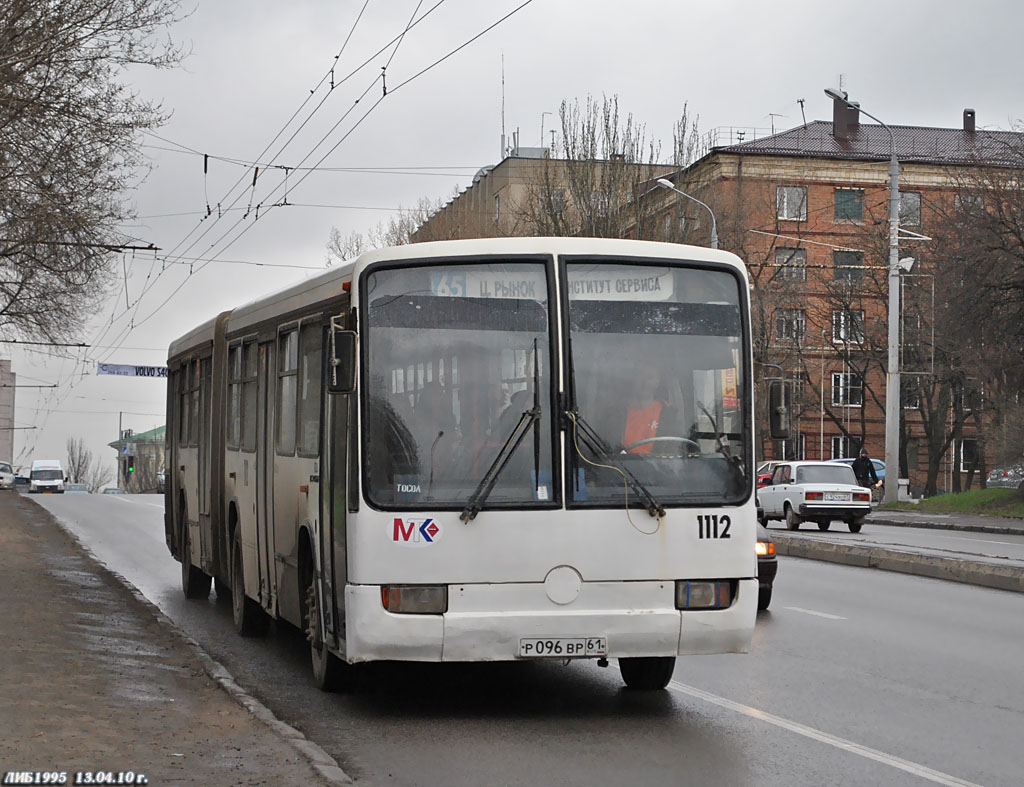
pixel 129 465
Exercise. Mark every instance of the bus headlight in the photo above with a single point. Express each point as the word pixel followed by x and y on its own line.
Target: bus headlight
pixel 704 593
pixel 415 599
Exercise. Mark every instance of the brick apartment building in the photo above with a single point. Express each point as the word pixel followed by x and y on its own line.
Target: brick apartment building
pixel 529 193
pixel 807 209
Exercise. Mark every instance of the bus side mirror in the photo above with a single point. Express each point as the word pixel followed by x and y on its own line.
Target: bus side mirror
pixel 341 371
pixel 778 410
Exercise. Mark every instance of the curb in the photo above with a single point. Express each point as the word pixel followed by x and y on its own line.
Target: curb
pixel 972 572
pixel 321 761
pixel 999 530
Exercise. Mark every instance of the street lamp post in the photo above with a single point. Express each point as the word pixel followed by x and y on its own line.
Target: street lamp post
pixel 892 376
pixel 667 184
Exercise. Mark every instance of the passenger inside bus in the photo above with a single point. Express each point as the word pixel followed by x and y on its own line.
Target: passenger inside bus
pixel 435 426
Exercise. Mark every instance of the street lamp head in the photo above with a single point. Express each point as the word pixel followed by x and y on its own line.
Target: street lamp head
pixel 665 183
pixel 836 95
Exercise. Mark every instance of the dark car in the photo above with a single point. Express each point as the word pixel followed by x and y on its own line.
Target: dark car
pixel 767 567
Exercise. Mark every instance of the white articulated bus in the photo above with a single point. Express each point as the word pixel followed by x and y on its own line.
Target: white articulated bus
pixel 477 450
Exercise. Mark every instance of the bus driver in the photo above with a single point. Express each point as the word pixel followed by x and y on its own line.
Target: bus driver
pixel 644 411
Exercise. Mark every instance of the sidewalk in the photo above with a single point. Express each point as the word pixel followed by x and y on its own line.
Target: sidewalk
pixel 985 572
pixel 94 679
pixel 980 523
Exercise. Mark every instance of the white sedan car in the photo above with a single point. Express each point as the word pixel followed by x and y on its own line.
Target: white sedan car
pixel 817 492
pixel 6 476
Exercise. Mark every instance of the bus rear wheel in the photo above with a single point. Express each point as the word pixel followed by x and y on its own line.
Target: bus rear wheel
pixel 329 672
pixel 194 581
pixel 250 619
pixel 647 673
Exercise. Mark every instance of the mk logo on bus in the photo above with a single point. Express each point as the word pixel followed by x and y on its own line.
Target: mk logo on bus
pixel 415 532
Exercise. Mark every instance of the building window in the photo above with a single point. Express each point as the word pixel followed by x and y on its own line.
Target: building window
pixel 968 454
pixel 843 447
pixel 309 390
pixel 913 449
pixel 848 325
pixel 849 204
pixel 849 265
pixel 910 208
pixel 497 208
pixel 847 389
pixel 792 202
pixel 599 203
pixel 792 264
pixel 287 383
pixel 789 324
pixel 910 392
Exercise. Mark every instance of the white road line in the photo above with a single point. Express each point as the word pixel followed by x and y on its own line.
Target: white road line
pixel 810 732
pixel 120 499
pixel 817 614
pixel 981 540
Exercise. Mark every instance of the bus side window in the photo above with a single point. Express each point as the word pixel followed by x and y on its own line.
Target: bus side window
pixel 287 382
pixel 249 366
pixel 311 360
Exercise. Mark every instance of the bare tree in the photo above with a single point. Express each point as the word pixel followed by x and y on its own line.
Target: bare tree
pixel 397 231
pixel 69 148
pixel 82 468
pixel 607 162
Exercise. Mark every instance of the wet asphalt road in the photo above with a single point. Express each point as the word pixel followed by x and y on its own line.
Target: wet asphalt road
pixel 856 677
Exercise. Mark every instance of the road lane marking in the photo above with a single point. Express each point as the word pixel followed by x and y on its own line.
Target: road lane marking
pixel 120 499
pixel 823 737
pixel 817 614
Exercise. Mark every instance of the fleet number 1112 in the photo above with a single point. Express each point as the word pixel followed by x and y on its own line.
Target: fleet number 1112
pixel 713 526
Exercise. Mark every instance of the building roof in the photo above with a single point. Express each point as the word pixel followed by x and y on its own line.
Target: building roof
pixel 871 142
pixel 157 435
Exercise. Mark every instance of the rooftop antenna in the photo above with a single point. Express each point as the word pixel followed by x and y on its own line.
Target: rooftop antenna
pixel 800 101
pixel 502 105
pixel 774 115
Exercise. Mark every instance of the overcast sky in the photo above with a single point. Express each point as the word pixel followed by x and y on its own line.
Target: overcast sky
pixel 258 70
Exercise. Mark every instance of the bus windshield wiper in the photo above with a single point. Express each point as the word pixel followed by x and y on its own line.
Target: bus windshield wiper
pixel 600 448
pixel 483 489
pixel 531 416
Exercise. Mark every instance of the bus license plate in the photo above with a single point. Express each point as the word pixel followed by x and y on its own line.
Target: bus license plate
pixel 562 647
pixel 837 497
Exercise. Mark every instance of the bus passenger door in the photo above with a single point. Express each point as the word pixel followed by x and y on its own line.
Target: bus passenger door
pixel 265 475
pixel 335 482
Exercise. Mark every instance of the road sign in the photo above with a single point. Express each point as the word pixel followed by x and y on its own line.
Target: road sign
pixel 131 370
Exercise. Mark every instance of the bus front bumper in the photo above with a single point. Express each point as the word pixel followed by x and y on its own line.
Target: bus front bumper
pixel 489 622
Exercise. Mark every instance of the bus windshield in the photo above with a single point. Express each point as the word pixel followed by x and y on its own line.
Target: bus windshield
pixel 454 356
pixel 658 384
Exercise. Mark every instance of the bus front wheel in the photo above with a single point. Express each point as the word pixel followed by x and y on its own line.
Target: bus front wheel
pixel 647 673
pixel 329 672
